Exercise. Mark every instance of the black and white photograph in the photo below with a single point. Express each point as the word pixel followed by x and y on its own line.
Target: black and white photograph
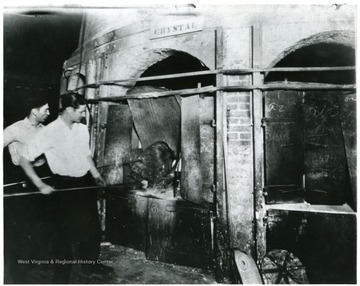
pixel 179 143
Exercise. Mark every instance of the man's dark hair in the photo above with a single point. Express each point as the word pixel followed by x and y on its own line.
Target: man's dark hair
pixel 71 100
pixel 34 102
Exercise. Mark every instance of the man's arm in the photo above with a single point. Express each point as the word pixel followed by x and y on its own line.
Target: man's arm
pixel 95 173
pixel 8 136
pixel 30 172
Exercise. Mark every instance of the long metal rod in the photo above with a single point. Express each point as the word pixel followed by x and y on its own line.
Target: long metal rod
pixel 218 71
pixel 78 188
pixel 23 182
pixel 57 190
pixel 212 89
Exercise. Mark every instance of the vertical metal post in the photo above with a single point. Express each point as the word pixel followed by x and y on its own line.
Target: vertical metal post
pixel 95 109
pixel 258 137
pixel 222 242
pixel 102 112
pixel 91 93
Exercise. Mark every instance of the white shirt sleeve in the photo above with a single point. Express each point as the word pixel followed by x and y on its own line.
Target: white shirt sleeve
pixel 37 146
pixel 9 135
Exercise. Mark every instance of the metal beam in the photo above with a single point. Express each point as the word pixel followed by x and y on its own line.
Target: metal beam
pixel 212 89
pixel 130 81
pixel 222 242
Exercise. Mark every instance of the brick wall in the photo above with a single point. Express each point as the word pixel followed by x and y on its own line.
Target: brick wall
pixel 238 118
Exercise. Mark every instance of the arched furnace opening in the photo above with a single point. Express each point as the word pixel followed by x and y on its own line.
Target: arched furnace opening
pixel 310 159
pixel 183 123
pixel 317 55
pixel 179 62
pixel 312 153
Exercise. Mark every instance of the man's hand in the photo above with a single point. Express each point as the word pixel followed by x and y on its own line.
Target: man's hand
pixel 46 189
pixel 99 181
pixel 30 172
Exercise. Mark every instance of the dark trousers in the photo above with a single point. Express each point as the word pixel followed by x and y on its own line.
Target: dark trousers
pixel 28 228
pixel 77 219
pixel 20 237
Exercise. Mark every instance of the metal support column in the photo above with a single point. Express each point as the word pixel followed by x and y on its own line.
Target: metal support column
pixel 258 137
pixel 222 243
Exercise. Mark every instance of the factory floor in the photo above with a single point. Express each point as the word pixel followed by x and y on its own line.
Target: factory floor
pixel 130 267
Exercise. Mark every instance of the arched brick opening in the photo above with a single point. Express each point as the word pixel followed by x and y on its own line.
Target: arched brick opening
pixel 169 61
pixel 336 37
pixel 307 107
pixel 143 62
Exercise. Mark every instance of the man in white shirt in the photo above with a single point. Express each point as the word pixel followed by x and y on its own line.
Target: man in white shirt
pixel 17 135
pixel 20 215
pixel 65 143
pixel 20 132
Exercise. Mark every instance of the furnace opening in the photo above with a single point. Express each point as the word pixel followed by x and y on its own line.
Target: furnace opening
pixel 310 135
pixel 179 62
pixel 144 131
pixel 317 55
pixel 182 123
